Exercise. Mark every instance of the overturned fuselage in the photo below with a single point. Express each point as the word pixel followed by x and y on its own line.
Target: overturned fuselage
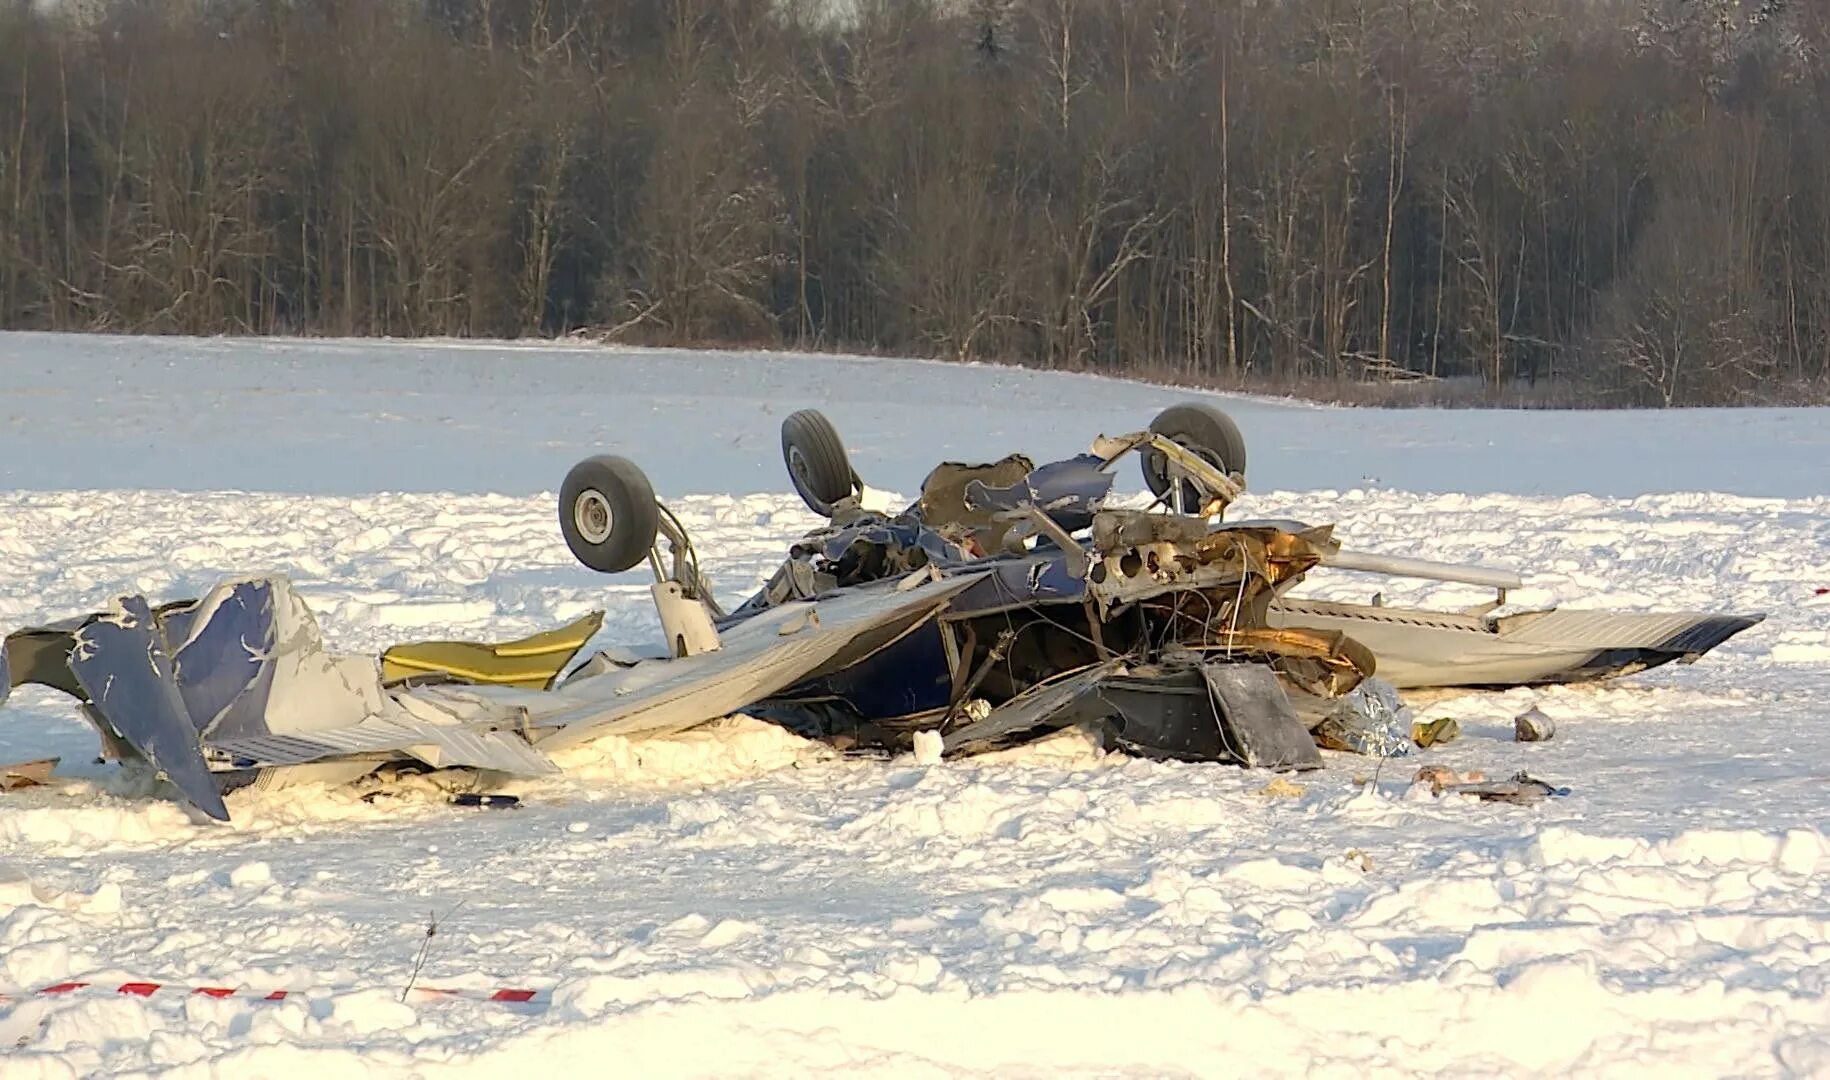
pixel 1008 601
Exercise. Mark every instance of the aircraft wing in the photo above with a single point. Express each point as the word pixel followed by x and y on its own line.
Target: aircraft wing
pixel 759 657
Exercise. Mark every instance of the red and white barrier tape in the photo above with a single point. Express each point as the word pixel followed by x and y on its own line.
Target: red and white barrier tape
pixel 148 989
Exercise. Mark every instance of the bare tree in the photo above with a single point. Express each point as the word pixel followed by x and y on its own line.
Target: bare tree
pixel 1633 194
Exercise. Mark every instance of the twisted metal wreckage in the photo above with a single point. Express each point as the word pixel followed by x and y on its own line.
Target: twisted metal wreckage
pixel 1007 602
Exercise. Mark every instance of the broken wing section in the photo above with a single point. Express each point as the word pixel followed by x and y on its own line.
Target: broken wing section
pixel 1420 648
pixel 759 657
pixel 511 729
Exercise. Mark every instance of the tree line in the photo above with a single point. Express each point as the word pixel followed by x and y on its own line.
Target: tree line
pixel 1626 199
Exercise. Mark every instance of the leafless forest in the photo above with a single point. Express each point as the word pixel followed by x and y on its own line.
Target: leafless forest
pixel 1590 201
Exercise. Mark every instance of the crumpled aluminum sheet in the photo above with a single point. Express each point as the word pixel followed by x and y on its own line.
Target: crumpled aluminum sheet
pixel 1370 719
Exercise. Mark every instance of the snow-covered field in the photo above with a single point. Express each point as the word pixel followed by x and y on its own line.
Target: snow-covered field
pixel 738 902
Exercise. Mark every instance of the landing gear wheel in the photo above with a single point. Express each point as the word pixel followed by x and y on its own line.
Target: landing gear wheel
pixel 1204 429
pixel 607 513
pixel 816 460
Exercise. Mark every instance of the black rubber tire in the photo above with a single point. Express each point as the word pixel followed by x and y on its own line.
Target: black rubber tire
pixel 1203 428
pixel 607 513
pixel 817 463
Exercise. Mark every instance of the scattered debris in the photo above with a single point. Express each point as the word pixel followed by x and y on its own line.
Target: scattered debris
pixel 493 802
pixel 495 995
pixel 1434 775
pixel 1281 788
pixel 1533 725
pixel 1521 788
pixel 1443 730
pixel 24 774
pixel 1009 602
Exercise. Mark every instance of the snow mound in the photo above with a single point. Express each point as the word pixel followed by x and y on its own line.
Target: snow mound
pixel 738 901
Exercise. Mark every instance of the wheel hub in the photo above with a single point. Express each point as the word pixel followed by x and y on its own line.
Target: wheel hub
pixel 591 513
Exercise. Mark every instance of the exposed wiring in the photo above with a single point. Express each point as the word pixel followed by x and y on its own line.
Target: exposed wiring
pixel 1213 701
pixel 1232 624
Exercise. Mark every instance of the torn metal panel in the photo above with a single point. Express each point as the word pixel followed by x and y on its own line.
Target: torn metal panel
pixel 1265 731
pixel 123 664
pixel 312 689
pixel 1208 712
pixel 1069 492
pixel 422 731
pixel 41 654
pixel 1061 702
pixel 1142 555
pixel 1165 712
pixel 223 659
pixel 943 494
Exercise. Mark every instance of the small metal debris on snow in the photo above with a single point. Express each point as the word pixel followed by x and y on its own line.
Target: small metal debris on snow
pixel 1520 788
pixel 1533 725
pixel 1434 732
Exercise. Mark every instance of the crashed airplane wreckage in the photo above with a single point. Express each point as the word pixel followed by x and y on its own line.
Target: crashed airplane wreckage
pixel 1007 602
